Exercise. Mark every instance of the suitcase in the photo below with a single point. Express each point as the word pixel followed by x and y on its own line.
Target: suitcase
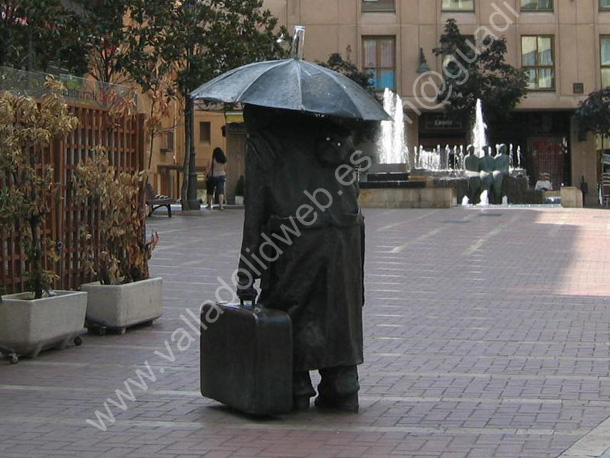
pixel 246 358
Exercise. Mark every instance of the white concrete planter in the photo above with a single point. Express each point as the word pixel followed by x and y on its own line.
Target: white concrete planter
pixel 239 200
pixel 122 306
pixel 31 325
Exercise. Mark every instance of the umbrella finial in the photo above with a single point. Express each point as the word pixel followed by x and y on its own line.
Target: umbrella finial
pixel 298 42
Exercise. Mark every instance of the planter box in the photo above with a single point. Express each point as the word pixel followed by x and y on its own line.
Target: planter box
pixel 30 326
pixel 571 197
pixel 122 306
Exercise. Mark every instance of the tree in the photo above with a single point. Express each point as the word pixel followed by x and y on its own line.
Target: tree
pixel 38 35
pixel 220 35
pixel 593 114
pixel 193 41
pixel 363 130
pixel 217 36
pixel 102 33
pixel 147 57
pixel 478 72
pixel 169 48
pixel 346 67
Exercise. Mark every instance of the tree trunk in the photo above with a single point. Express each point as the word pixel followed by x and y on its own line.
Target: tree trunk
pixel 35 258
pixel 30 65
pixel 35 254
pixel 152 139
pixel 6 44
pixel 187 151
pixel 191 194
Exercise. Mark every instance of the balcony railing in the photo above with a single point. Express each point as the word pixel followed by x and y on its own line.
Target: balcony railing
pixel 79 90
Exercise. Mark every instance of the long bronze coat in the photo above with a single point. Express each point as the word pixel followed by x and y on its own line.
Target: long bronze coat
pixel 304 233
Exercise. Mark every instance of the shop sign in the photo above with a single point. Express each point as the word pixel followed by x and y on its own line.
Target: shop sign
pixel 234 116
pixel 548 145
pixel 439 122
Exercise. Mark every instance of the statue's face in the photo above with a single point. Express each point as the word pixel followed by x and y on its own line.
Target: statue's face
pixel 334 148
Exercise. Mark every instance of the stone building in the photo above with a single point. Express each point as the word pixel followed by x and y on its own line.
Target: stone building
pixel 563 44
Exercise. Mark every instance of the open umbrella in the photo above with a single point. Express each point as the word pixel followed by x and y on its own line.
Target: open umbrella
pixel 293 84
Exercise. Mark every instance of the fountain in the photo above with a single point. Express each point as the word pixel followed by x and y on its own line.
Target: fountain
pixel 429 171
pixel 391 170
pixel 387 184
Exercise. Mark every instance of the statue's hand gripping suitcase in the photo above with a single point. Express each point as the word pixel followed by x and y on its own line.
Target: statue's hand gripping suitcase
pixel 246 358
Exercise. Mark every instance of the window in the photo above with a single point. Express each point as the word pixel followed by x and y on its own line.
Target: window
pixel 378 6
pixel 536 5
pixel 605 60
pixel 380 62
pixel 604 5
pixel 168 142
pixel 205 133
pixel 458 5
pixel 538 62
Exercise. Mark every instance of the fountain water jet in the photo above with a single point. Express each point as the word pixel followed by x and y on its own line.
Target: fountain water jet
pixel 479 136
pixel 391 143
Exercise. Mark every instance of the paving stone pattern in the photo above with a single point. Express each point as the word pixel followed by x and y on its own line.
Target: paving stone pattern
pixel 487 335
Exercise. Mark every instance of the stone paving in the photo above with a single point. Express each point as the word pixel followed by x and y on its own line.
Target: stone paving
pixel 487 335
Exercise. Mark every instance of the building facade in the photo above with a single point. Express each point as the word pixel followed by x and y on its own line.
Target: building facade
pixel 564 45
pixel 169 148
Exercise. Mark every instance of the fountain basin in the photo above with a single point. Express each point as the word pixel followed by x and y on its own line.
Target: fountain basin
pixel 388 176
pixel 408 197
pixel 390 186
pixel 374 184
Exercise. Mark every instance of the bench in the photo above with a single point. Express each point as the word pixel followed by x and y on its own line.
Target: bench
pixel 155 201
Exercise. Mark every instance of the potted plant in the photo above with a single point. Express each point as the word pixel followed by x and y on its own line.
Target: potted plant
pixel 39 318
pixel 240 187
pixel 124 295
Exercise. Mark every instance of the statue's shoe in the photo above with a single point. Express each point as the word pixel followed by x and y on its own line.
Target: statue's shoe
pixel 347 403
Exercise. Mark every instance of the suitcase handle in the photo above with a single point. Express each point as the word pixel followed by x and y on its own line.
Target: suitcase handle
pixel 252 302
pixel 247 294
pixel 256 308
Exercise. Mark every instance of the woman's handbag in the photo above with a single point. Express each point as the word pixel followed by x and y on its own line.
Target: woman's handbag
pixel 210 180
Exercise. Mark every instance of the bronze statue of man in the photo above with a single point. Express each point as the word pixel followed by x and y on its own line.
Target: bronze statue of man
pixel 473 177
pixel 304 238
pixel 486 165
pixel 501 169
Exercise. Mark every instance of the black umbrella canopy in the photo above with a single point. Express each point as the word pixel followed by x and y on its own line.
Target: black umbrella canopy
pixel 293 84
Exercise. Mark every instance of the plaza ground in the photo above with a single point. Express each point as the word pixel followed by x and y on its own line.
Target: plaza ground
pixel 487 334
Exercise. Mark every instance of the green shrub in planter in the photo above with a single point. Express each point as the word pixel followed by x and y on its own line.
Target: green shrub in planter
pixel 27 127
pixel 123 253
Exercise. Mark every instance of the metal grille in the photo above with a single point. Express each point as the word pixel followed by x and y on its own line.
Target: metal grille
pixel 548 156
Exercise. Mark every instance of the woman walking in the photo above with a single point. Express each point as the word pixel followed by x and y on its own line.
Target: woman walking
pixel 216 176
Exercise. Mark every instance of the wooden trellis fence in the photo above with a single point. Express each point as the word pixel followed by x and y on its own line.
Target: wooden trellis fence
pixel 124 141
